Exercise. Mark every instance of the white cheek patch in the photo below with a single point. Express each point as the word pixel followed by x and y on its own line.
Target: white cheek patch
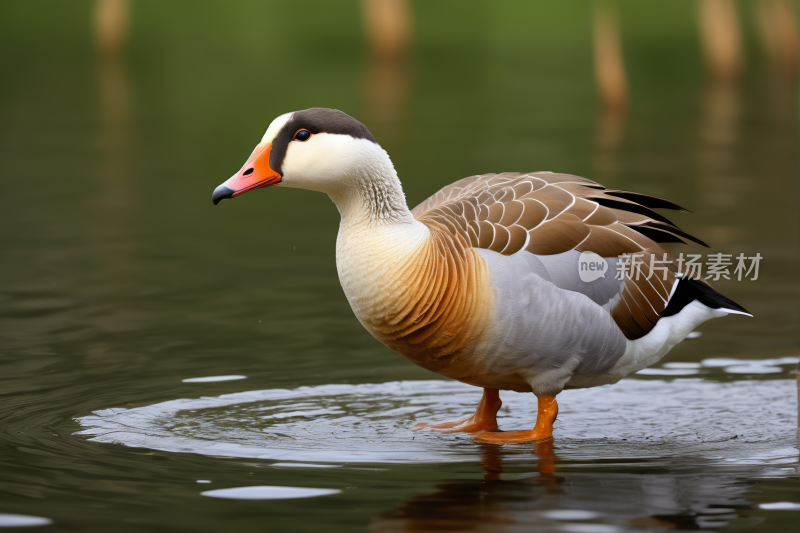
pixel 328 161
pixel 314 159
pixel 275 127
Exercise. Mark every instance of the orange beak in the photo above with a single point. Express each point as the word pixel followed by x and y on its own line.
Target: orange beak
pixel 255 174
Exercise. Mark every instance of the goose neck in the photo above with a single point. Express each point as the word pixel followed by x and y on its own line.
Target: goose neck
pixel 373 197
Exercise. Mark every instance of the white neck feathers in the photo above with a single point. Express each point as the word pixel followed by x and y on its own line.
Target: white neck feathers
pixel 371 194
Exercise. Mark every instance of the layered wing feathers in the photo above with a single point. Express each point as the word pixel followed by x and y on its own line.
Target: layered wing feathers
pixel 545 213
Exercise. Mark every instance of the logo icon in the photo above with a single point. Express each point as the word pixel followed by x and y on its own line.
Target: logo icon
pixel 591 267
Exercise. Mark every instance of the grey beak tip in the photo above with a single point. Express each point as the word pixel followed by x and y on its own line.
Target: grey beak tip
pixel 221 193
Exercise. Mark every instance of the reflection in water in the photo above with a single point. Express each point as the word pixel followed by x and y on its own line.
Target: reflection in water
pixel 720 130
pixel 727 182
pixel 598 497
pixel 490 504
pixel 492 461
pixel 720 170
pixel 387 80
pixel 113 195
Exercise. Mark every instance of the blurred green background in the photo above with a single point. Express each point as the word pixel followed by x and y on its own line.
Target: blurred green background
pixel 119 277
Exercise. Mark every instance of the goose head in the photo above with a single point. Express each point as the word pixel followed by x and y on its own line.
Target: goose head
pixel 318 149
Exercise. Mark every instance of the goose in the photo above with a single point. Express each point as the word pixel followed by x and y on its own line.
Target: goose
pixel 482 282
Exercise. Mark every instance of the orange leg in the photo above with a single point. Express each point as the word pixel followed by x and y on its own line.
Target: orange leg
pixel 484 419
pixel 548 410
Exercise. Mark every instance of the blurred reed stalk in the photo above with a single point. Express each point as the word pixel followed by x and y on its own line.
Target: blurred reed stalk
pixel 720 129
pixel 115 194
pixel 110 29
pixel 387 80
pixel 721 39
pixel 110 26
pixel 777 26
pixel 388 24
pixel 609 67
pixel 612 86
pixel 778 30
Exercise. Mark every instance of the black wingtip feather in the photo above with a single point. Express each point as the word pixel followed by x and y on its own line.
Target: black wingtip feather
pixel 646 228
pixel 653 202
pixel 690 289
pixel 662 230
pixel 657 235
pixel 633 208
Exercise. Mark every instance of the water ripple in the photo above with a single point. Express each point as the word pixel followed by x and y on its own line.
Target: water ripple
pixel 743 421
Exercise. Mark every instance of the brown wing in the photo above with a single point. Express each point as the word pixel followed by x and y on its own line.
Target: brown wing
pixel 546 213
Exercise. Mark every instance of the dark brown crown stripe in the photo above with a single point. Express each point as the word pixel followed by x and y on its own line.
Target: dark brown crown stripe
pixel 316 120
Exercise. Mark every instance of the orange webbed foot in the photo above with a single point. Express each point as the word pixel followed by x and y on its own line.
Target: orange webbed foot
pixel 542 431
pixel 484 419
pixel 512 437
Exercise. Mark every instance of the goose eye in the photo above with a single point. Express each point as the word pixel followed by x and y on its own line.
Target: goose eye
pixel 302 135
